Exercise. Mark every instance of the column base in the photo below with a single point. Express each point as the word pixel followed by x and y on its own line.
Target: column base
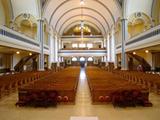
pixel 41 69
pixel 124 69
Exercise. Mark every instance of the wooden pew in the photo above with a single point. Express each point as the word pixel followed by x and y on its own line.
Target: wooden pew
pixel 106 87
pixel 147 80
pixel 62 84
pixel 10 83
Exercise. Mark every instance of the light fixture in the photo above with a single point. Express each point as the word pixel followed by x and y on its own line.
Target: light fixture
pixel 82 26
pixel 134 53
pixel 30 54
pixel 81 2
pixel 82 21
pixel 146 51
pixel 17 52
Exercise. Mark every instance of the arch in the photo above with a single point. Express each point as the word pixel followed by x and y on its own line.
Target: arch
pixel 84 20
pixel 99 2
pixel 25 16
pixel 138 22
pixel 118 24
pixel 46 31
pixel 88 29
pixel 90 59
pixel 156 12
pixel 82 59
pixel 6 12
pixel 139 16
pixel 46 24
pixel 27 24
pixel 2 13
pixel 79 8
pixel 74 59
pixel 77 22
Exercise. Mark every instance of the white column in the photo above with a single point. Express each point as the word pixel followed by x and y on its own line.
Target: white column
pixel 49 57
pixel 113 50
pixel 102 44
pixel 61 44
pixel 56 49
pixel 62 59
pixel 124 31
pixel 108 48
pixel 40 36
pixel 124 38
pixel 105 42
pixel 51 49
pixel 11 60
pixel 102 59
pixel 105 59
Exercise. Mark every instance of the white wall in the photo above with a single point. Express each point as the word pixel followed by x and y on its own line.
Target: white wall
pixel 139 6
pixel 25 6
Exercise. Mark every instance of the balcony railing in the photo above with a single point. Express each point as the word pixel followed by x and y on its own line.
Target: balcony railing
pixel 16 35
pixel 147 34
pixel 7 32
pixel 143 36
pixel 83 49
pixel 85 36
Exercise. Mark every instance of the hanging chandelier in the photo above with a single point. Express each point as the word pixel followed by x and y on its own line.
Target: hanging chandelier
pixel 81 2
pixel 82 21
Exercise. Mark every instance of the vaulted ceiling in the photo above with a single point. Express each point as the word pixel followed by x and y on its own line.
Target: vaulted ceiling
pixel 64 14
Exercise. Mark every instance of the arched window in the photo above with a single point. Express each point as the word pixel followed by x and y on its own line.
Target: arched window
pixel 74 59
pixel 82 59
pixel 90 59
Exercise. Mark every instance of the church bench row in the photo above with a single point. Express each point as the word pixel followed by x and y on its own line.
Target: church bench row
pixel 105 88
pixel 152 81
pixel 10 83
pixel 59 87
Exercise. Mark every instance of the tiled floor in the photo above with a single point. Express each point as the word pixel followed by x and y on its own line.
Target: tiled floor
pixel 83 107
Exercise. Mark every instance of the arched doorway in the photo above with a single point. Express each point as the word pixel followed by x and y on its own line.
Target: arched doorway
pixel 82 61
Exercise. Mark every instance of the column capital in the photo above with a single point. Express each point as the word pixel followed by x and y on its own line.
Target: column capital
pixel 40 19
pixel 124 19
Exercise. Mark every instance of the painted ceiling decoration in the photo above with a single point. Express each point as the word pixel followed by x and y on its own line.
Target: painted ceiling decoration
pixel 139 16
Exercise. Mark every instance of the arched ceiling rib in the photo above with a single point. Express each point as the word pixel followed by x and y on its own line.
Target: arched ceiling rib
pixel 68 4
pixel 86 17
pixel 106 12
pixel 77 22
pixel 86 10
pixel 90 13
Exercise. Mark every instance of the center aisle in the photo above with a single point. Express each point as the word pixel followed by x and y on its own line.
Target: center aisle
pixel 83 98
